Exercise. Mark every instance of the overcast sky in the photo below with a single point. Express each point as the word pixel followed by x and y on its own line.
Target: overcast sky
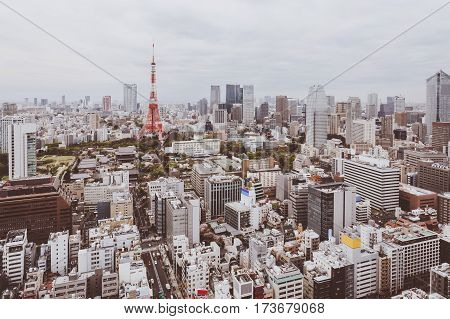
pixel 282 47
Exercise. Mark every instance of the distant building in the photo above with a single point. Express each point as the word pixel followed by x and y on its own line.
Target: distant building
pixel 106 103
pixel 219 190
pixel 22 150
pixel 130 97
pixel 316 117
pixel 438 99
pixel 441 136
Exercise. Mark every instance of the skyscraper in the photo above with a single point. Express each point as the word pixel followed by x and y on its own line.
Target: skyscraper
pixel 215 98
pixel 355 103
pixel 248 104
pixel 106 103
pixel 438 99
pixel 5 122
pixel 22 150
pixel 130 97
pixel 316 117
pixel 331 208
pixel 399 104
pixel 372 105
pixel 282 107
pixel 232 93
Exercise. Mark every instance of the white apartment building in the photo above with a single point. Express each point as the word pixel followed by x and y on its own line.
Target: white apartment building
pixel 5 123
pixel 71 286
pixel 131 269
pixel 363 131
pixel 411 252
pixel 59 252
pixel 196 147
pixel 267 177
pixel 183 218
pixel 242 284
pixel 166 184
pixel 365 261
pixel 195 265
pixel 375 182
pixel 286 280
pixel 98 255
pixel 13 258
pixel 22 150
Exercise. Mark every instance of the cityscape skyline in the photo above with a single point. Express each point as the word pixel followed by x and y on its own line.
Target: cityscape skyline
pixel 290 68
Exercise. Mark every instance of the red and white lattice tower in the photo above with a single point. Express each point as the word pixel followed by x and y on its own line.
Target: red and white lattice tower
pixel 153 124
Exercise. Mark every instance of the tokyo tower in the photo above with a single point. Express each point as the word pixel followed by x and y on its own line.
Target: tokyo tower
pixel 153 123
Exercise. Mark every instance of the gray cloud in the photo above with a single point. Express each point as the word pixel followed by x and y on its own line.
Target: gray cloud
pixel 282 47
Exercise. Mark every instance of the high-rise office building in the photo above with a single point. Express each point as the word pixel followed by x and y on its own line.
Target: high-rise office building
pixel 106 103
pixel 233 94
pixel 375 181
pixel 219 190
pixel 63 100
pixel 248 104
pixel 372 106
pixel 263 112
pixel 22 150
pixel 331 208
pixel 363 131
pixel 438 99
pixel 399 104
pixel 348 124
pixel 316 117
pixel 282 107
pixel 355 103
pixel 130 97
pixel 215 98
pixel 5 123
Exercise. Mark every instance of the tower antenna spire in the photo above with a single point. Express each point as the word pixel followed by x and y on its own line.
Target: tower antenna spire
pixel 153 124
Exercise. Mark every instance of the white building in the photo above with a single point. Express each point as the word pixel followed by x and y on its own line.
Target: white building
pixel 365 261
pixel 195 265
pixel 13 259
pixel 196 147
pixel 5 123
pixel 166 184
pixel 98 255
pixel 22 150
pixel 130 97
pixel 399 104
pixel 363 131
pixel 183 218
pixel 410 252
pixel 59 252
pixel 316 117
pixel 374 181
pixel 248 104
pixel 214 101
pixel 286 280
